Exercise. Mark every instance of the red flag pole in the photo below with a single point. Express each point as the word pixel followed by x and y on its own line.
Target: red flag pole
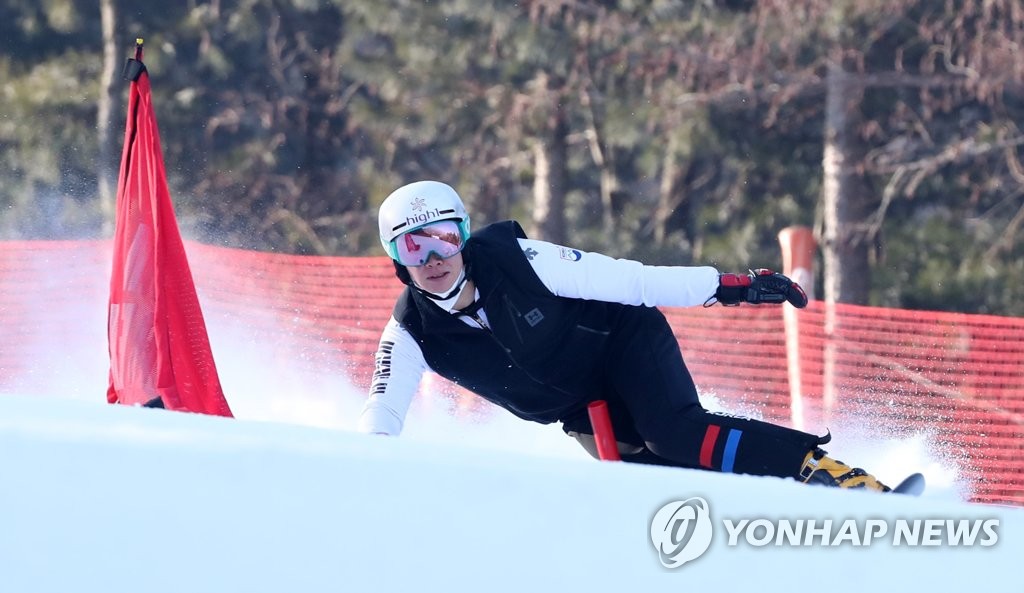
pixel 607 447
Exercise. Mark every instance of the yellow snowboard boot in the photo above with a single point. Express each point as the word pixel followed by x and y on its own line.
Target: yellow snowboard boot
pixel 819 468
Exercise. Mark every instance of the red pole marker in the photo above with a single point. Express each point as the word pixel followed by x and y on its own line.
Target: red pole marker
pixel 607 448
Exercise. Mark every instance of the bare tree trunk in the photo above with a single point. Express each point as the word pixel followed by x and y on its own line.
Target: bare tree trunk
pixel 602 155
pixel 108 100
pixel 550 155
pixel 610 186
pixel 844 238
pixel 668 190
pixel 845 195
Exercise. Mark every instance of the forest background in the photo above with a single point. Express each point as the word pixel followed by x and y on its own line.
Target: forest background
pixel 674 132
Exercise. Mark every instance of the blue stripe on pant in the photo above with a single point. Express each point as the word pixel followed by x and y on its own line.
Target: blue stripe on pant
pixel 731 444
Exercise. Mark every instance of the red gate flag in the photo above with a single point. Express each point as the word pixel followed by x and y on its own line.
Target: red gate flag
pixel 159 351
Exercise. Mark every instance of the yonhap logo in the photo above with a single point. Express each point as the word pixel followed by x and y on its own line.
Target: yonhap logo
pixel 681 531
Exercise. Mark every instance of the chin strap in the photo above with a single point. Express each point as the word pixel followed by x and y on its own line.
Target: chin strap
pixel 460 283
pixel 453 293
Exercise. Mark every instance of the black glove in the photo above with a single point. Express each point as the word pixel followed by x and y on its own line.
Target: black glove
pixel 759 286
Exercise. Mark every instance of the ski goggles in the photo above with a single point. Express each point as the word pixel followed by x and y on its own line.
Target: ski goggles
pixel 413 248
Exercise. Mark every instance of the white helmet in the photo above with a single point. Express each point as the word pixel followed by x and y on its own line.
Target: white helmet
pixel 416 204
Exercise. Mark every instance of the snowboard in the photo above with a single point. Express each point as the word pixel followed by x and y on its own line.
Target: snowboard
pixel 913 485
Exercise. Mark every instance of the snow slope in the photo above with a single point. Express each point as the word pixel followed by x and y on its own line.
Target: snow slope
pixel 110 499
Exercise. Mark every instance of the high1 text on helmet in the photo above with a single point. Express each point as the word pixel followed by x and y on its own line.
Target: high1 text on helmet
pixel 416 204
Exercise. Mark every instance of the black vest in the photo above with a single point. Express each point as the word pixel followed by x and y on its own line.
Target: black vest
pixel 541 357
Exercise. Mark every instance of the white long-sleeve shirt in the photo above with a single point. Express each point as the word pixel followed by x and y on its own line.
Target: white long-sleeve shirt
pixel 566 272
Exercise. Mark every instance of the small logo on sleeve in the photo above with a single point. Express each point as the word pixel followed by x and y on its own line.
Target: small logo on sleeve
pixel 569 254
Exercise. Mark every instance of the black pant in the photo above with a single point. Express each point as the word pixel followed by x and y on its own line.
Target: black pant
pixel 658 419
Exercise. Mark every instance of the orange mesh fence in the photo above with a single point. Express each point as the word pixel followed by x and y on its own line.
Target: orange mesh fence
pixel 958 378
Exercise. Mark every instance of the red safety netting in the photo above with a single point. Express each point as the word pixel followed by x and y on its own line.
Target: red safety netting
pixel 958 378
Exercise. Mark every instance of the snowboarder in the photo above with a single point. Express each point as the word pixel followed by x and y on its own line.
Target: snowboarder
pixel 542 330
